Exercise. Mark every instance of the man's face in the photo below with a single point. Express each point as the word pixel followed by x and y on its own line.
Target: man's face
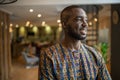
pixel 77 24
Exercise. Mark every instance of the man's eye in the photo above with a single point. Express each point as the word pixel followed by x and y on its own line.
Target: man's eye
pixel 78 19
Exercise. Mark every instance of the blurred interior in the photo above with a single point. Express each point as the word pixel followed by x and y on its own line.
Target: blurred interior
pixel 18 29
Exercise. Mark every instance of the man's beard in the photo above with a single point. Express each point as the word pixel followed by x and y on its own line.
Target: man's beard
pixel 75 35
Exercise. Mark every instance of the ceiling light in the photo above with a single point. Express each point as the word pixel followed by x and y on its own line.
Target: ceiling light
pixel 31 10
pixel 58 21
pixel 90 23
pixel 95 19
pixel 39 15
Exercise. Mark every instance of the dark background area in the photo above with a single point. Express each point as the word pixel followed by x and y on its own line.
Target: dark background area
pixel 115 43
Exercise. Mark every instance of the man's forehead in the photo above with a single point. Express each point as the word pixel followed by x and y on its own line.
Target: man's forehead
pixel 79 11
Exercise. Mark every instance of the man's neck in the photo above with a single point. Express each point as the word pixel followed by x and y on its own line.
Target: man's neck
pixel 71 44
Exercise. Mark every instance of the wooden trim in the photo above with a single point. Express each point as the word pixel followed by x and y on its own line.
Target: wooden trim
pixel 5 57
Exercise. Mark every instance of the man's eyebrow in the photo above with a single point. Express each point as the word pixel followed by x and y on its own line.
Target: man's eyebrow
pixel 81 17
pixel 78 16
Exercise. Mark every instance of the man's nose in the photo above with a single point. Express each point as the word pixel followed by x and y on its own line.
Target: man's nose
pixel 84 23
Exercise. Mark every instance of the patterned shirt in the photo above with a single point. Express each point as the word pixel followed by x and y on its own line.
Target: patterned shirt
pixel 60 63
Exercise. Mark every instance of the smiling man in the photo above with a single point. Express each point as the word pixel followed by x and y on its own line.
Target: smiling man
pixel 71 59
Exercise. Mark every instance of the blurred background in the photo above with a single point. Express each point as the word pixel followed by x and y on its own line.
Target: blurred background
pixel 37 22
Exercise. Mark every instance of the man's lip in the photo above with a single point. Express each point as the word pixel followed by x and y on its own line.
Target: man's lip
pixel 83 31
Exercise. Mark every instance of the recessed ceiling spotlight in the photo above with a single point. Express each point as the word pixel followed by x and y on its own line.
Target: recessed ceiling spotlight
pixel 39 15
pixel 95 19
pixel 31 10
pixel 58 21
pixel 90 23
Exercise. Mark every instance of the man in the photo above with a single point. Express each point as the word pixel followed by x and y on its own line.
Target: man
pixel 71 59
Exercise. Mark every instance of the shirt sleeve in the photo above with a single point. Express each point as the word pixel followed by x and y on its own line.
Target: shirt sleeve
pixel 103 73
pixel 46 71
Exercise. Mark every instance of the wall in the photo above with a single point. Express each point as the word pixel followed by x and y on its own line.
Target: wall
pixel 104 31
pixel 115 41
pixel 104 23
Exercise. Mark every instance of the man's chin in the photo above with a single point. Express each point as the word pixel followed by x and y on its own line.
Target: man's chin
pixel 82 38
pixel 79 38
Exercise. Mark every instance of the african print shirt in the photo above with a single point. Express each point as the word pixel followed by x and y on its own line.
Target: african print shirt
pixel 60 63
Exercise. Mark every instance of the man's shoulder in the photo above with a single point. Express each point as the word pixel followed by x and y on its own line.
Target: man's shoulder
pixel 93 50
pixel 51 47
pixel 49 50
pixel 89 47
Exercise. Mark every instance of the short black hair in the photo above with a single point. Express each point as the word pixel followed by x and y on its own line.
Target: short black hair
pixel 66 12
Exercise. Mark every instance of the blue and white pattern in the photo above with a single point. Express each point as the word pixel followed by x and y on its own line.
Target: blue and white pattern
pixel 60 63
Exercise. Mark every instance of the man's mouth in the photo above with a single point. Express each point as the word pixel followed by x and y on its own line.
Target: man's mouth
pixel 83 31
